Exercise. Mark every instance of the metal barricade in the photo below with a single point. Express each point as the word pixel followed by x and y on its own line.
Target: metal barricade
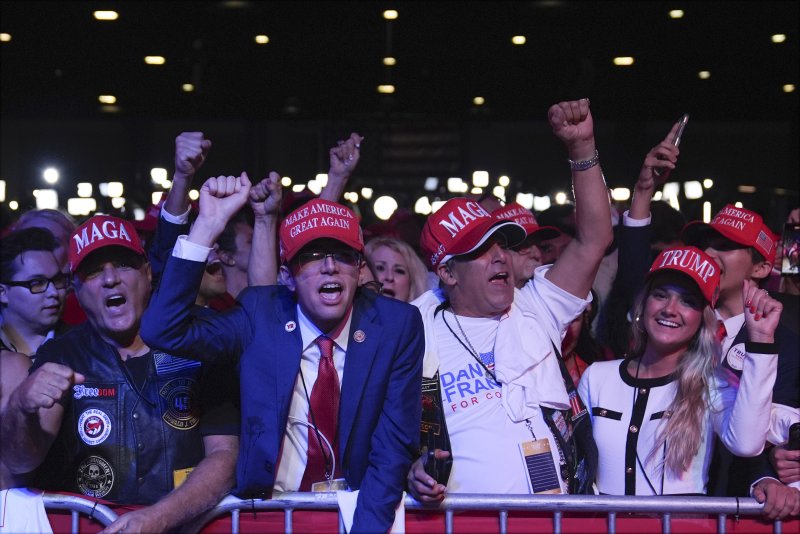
pixel 77 505
pixel 611 505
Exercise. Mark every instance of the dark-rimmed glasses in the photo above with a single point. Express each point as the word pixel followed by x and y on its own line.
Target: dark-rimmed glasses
pixel 351 258
pixel 39 285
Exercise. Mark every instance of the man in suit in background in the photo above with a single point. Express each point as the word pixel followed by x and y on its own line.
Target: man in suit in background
pixel 330 376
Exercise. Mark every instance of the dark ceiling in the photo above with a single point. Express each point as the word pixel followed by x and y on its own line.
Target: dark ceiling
pixel 324 59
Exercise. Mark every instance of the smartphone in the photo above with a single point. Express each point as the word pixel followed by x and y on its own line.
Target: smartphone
pixel 790 246
pixel 794 437
pixel 677 139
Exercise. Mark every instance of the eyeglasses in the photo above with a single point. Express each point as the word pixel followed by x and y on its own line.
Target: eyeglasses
pixel 39 285
pixel 351 258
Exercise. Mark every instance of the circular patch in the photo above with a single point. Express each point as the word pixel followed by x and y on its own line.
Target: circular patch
pixel 735 356
pixel 95 477
pixel 181 403
pixel 94 426
pixel 290 326
pixel 359 336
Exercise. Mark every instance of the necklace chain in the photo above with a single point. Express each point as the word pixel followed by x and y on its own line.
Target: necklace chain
pixel 472 352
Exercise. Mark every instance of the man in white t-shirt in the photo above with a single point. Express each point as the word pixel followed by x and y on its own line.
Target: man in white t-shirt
pixel 494 396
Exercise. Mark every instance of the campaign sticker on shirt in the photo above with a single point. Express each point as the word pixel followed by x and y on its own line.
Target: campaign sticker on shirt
pixel 736 356
pixel 181 403
pixel 94 426
pixel 95 477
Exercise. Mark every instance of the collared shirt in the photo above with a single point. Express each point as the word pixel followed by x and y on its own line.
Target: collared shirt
pixel 732 327
pixel 294 448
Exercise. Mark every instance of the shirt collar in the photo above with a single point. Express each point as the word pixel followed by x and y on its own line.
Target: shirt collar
pixel 310 332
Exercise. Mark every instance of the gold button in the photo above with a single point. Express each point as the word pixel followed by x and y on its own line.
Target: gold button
pixel 634 429
pixel 603 413
pixel 629 470
pixel 643 391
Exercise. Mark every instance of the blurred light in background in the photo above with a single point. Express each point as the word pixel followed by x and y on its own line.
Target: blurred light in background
pixel 46 199
pixel 561 197
pixel 384 207
pixel 620 194
pixel 106 15
pixel 194 194
pixel 480 179
pixel 50 175
pixel 518 39
pixel 154 60
pixel 84 190
pixel 431 183
pixel 541 203
pixel 525 200
pixel 423 206
pixel 81 206
pixel 262 39
pixel 693 190
pixel 708 183
pixel 366 192
pixel 706 212
pixel 504 181
pixel 286 181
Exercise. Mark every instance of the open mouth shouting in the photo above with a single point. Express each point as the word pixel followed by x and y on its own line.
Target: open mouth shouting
pixel 500 278
pixel 115 303
pixel 331 292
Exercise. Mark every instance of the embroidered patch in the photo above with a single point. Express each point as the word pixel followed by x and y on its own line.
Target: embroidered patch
pixel 166 364
pixel 79 391
pixel 94 426
pixel 95 477
pixel 181 403
pixel 735 356
pixel 575 405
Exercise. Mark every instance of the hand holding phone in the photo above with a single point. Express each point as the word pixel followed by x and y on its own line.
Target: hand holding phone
pixel 676 139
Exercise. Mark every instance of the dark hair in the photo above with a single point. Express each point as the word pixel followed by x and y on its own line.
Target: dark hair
pixel 20 241
pixel 227 239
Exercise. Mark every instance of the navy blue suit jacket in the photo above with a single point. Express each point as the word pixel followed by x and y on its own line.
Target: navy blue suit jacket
pixel 380 407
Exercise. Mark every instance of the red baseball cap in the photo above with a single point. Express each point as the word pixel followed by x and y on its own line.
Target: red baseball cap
pixel 740 225
pixel 102 231
pixel 459 227
pixel 319 219
pixel 693 262
pixel 525 218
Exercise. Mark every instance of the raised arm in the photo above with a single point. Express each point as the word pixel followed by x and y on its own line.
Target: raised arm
pixel 344 158
pixel 575 270
pixel 662 158
pixel 191 149
pixel 265 199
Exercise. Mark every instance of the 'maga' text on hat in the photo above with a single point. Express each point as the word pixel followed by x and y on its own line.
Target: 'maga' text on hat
pixel 453 223
pixel 688 259
pixel 315 222
pixel 302 213
pixel 109 229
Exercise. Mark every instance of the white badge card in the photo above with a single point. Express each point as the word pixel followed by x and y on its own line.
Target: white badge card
pixel 542 475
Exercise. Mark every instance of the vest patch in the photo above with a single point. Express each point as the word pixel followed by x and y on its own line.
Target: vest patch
pixel 94 426
pixel 166 364
pixel 95 477
pixel 182 406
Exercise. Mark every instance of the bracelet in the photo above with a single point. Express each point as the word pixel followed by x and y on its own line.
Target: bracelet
pixel 585 164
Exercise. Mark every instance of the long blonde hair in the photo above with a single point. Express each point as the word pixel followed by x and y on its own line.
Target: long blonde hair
pixel 692 396
pixel 417 272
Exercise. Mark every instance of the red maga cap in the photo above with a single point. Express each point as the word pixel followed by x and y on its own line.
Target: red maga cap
pixel 102 231
pixel 319 219
pixel 693 262
pixel 740 226
pixel 459 227
pixel 525 218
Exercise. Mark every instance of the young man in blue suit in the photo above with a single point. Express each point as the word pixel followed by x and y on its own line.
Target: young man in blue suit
pixel 317 336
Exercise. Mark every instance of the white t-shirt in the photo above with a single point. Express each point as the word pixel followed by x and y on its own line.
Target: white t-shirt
pixel 484 440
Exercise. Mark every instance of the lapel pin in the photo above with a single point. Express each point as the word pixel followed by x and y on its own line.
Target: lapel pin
pixel 290 326
pixel 359 336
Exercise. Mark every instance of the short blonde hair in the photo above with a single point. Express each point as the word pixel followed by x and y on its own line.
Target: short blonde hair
pixel 417 272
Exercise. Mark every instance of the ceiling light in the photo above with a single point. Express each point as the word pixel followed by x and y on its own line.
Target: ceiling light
pixel 525 200
pixel 623 61
pixel 107 99
pixel 84 189
pixel 504 181
pixel 46 199
pixel 194 194
pixel 390 14
pixel 561 198
pixel 431 183
pixel 386 89
pixel 454 184
pixel 693 190
pixel 155 198
pixel 187 88
pixel 166 184
pixel 384 207
pixel 154 60
pixel 314 187
pixel 788 88
pixel 322 179
pixel 50 175
pixel 518 39
pixel 109 108
pixel 2 190
pixel 422 206
pixel 106 15
pixel 366 192
pixel 500 192
pixel 158 175
pixel 480 178
pixel 676 13
pixel 778 38
pixel 262 39
pixel 706 212
pixel 81 206
pixel 13 205
pixel 747 189
pixel 389 61
pixel 541 203
pixel 5 37
pixel 298 187
pixel 738 204
pixel 286 181
pixel 620 194
pixel 704 75
pixel 479 101
pixel 476 190
pixel 114 189
pixel 708 183
pixel 658 195
pixel 117 202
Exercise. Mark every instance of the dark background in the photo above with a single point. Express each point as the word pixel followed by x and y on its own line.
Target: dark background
pixel 282 105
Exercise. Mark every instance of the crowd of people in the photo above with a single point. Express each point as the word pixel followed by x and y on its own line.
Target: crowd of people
pixel 256 343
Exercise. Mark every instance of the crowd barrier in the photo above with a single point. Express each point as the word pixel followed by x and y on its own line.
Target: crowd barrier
pixel 471 514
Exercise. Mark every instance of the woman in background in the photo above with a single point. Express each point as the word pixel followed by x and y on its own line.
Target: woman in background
pixel 395 265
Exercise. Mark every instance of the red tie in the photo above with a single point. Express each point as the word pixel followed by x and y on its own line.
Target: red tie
pixel 324 412
pixel 721 332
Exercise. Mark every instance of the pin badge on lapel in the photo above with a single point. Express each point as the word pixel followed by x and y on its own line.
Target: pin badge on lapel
pixel 290 326
pixel 359 336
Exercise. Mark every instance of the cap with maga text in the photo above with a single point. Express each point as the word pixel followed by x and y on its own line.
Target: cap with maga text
pixel 102 231
pixel 459 227
pixel 319 219
pixel 740 225
pixel 525 218
pixel 693 262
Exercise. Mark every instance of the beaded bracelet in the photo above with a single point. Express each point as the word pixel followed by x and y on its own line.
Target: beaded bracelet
pixel 585 164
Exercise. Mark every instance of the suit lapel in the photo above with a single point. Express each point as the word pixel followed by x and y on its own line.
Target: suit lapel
pixel 289 345
pixel 357 365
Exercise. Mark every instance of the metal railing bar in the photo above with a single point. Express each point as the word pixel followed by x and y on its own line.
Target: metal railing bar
pixel 102 513
pixel 666 524
pixel 503 516
pixel 448 522
pixel 612 523
pixel 721 525
pixel 556 522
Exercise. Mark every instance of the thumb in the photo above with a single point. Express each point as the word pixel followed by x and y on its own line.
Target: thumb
pixel 79 378
pixel 244 179
pixel 759 494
